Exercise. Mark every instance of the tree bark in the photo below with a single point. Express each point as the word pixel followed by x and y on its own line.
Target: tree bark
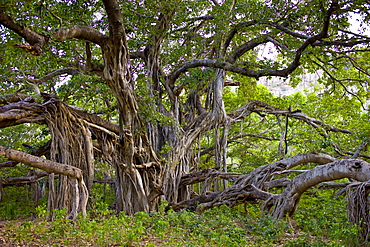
pixel 257 179
pixel 132 190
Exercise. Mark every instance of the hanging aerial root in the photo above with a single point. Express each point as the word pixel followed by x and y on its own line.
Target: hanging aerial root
pixel 358 208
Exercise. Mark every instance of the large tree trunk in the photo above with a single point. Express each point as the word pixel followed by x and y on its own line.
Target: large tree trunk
pixel 181 157
pixel 132 190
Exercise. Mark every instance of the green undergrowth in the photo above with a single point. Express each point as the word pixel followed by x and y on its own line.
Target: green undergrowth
pixel 17 204
pixel 319 221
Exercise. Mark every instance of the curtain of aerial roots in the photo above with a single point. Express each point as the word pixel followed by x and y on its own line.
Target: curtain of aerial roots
pixel 177 166
pixel 219 119
pixel 130 187
pixel 72 145
pixel 142 191
pixel 182 156
pixel 220 156
pixel 358 208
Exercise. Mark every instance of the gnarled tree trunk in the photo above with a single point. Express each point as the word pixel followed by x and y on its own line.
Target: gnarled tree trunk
pixel 251 188
pixel 132 189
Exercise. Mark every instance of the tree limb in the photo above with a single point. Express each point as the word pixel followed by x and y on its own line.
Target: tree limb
pixel 238 52
pixel 40 163
pixel 115 19
pixel 286 30
pixel 287 202
pixel 234 31
pixel 23 180
pixel 36 41
pixel 79 189
pixel 262 107
pixel 362 146
pixel 53 74
pixel 81 32
pixel 228 66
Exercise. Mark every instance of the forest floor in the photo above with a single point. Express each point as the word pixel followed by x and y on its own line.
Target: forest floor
pixel 2 234
pixel 148 240
pixel 319 221
pixel 11 236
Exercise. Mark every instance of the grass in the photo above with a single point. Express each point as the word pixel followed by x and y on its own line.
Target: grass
pixel 319 221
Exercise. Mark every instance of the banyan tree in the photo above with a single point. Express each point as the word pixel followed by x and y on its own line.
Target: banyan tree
pixel 152 83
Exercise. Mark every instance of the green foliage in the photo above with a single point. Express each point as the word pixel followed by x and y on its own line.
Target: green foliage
pixel 247 149
pixel 41 211
pixel 16 203
pixel 318 214
pixel 319 221
pixel 102 196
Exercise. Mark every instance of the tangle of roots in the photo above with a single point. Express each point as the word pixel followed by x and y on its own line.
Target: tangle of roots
pixel 358 208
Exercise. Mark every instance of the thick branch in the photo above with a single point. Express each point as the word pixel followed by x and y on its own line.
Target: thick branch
pixel 115 19
pixel 286 30
pixel 234 31
pixel 11 98
pixel 201 176
pixel 228 66
pixel 357 153
pixel 262 107
pixel 241 195
pixel 81 32
pixel 247 47
pixel 40 163
pixel 21 108
pixel 287 202
pixel 264 173
pixel 248 188
pixel 21 112
pixel 341 42
pixel 96 120
pixel 36 41
pixel 53 74
pixel 43 150
pixel 8 164
pixel 23 180
pixel 215 64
